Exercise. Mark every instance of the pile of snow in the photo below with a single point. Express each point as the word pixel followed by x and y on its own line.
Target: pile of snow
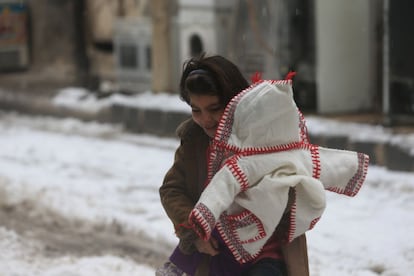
pixel 80 98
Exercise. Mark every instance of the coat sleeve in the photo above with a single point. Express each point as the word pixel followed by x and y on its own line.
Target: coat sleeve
pixel 178 201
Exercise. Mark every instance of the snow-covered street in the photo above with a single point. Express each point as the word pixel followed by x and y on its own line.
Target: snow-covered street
pixel 82 198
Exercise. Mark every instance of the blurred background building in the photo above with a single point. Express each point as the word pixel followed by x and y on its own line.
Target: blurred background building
pixel 350 56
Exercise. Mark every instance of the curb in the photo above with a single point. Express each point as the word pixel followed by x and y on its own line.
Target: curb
pixel 164 123
pixel 151 121
pixel 393 157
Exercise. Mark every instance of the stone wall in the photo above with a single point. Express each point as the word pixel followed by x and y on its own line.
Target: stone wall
pixel 54 38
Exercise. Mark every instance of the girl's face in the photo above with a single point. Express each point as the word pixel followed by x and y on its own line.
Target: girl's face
pixel 206 111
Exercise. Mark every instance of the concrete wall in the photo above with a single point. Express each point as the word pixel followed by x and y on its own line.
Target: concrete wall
pixel 53 37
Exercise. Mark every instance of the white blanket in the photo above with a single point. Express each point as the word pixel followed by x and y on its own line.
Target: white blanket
pixel 259 152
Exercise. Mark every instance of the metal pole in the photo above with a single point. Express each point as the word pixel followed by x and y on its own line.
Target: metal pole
pixel 386 64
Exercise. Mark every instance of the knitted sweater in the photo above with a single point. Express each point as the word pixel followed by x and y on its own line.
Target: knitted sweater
pixel 260 151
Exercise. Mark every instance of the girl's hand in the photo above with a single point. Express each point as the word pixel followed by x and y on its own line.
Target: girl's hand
pixel 209 247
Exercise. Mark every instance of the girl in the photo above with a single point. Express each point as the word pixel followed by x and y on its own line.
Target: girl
pixel 207 85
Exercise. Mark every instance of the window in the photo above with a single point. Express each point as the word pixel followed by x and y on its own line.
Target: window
pixel 128 57
pixel 196 46
pixel 148 57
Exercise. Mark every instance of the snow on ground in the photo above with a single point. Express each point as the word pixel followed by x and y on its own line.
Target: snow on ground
pixel 21 257
pixel 90 178
pixel 87 175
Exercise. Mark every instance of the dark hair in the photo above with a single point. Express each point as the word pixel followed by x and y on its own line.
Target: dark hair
pixel 214 75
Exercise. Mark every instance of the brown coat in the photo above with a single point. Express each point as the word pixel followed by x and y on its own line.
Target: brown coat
pixel 183 185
